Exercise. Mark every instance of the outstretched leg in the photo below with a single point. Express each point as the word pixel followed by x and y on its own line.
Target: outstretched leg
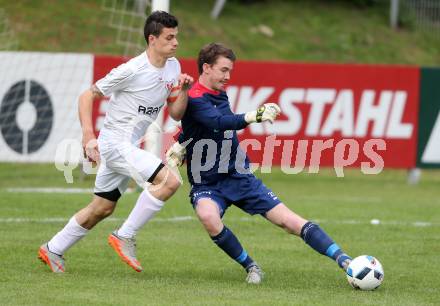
pixel 310 232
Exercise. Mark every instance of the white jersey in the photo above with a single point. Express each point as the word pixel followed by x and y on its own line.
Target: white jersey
pixel 138 92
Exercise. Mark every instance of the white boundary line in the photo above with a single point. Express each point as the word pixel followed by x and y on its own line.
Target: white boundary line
pixel 55 190
pixel 243 219
pixel 49 190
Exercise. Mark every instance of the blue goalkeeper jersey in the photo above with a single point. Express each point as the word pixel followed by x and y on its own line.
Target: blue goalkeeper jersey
pixel 213 152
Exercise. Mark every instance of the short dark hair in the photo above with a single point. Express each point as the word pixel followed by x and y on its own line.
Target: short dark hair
pixel 211 52
pixel 157 21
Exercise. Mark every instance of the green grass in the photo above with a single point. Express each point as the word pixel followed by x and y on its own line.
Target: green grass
pixel 304 30
pixel 183 267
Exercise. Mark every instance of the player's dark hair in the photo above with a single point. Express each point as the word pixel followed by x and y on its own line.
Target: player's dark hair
pixel 211 52
pixel 157 21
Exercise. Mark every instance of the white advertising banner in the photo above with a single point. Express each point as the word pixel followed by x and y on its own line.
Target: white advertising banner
pixel 39 103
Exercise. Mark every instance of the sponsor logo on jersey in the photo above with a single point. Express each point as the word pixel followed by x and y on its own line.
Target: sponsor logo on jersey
pixel 149 110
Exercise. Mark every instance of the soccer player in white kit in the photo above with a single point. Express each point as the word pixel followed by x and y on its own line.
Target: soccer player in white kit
pixel 138 90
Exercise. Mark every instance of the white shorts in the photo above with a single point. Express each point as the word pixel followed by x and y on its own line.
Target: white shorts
pixel 121 162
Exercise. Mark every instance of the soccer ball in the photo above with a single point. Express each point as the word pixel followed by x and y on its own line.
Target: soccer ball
pixel 365 272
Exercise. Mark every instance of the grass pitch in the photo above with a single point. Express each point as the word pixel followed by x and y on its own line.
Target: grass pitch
pixel 183 267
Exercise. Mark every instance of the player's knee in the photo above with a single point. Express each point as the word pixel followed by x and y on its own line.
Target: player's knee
pixel 208 218
pixel 167 182
pixel 168 189
pixel 292 225
pixel 166 179
pixel 102 211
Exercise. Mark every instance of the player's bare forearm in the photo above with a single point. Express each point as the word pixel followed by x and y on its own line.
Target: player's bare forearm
pixel 177 109
pixel 85 108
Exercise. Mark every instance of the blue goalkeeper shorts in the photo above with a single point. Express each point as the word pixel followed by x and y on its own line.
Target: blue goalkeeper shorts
pixel 244 191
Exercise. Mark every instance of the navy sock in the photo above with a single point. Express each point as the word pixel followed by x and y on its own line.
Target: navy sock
pixel 318 240
pixel 227 241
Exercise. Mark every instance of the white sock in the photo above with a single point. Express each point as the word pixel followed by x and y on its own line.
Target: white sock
pixel 145 209
pixel 67 237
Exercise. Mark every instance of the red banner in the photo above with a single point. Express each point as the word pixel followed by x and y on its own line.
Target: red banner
pixel 332 115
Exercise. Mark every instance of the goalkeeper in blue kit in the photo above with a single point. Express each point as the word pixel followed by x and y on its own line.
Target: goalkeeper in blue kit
pixel 218 169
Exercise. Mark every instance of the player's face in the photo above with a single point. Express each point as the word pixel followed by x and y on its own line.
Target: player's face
pixel 166 43
pixel 219 73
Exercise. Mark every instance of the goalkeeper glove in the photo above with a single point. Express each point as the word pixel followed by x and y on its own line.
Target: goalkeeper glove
pixel 175 155
pixel 266 112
